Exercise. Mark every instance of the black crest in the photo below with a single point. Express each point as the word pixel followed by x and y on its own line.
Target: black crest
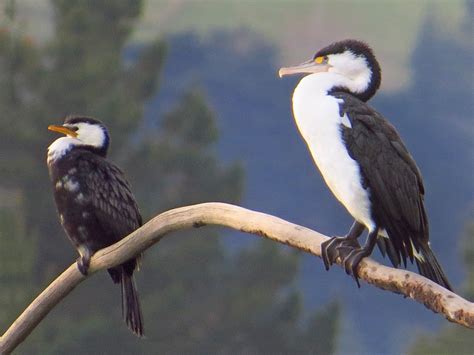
pixel 72 119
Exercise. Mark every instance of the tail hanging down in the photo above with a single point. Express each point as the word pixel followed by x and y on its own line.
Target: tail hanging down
pixel 425 259
pixel 131 310
pixel 429 267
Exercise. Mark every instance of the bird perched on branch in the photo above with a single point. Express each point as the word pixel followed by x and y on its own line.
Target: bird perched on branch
pixel 362 160
pixel 95 204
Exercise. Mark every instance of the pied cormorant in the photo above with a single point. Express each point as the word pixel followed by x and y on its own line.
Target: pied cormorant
pixel 362 160
pixel 95 204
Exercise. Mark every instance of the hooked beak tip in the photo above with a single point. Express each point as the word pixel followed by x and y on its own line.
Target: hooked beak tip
pixel 282 72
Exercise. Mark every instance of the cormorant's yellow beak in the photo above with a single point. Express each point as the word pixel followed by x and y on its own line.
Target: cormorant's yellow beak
pixel 62 129
pixel 308 67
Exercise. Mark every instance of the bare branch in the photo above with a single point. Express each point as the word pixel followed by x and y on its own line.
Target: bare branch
pixel 411 285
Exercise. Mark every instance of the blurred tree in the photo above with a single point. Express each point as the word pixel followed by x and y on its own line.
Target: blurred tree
pixel 453 339
pixel 18 252
pixel 435 119
pixel 196 297
pixel 16 261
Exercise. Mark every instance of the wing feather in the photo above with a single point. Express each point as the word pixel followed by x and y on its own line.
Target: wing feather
pixel 110 196
pixel 394 181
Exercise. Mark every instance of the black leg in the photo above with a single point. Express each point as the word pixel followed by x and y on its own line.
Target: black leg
pixel 329 249
pixel 353 259
pixel 84 261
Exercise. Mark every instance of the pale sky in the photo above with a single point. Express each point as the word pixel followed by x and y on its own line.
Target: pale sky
pixel 298 28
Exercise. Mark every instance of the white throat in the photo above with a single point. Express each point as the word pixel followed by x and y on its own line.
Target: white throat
pixel 60 147
pixel 322 83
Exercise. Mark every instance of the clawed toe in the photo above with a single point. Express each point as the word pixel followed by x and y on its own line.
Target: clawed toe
pixel 348 250
pixel 343 251
pixel 330 249
pixel 352 260
pixel 327 253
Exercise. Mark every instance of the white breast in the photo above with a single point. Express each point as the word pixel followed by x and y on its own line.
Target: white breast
pixel 319 122
pixel 60 147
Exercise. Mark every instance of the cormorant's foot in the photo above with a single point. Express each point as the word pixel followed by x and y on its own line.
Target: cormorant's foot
pixel 352 259
pixel 330 249
pixel 344 250
pixel 83 265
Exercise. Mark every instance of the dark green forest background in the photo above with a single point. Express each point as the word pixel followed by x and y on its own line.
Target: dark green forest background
pixel 198 294
pixel 196 297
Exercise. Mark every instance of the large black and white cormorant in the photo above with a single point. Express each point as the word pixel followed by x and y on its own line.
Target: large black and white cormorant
pixel 362 160
pixel 95 204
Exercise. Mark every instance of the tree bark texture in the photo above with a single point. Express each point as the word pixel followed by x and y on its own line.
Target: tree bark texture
pixel 411 285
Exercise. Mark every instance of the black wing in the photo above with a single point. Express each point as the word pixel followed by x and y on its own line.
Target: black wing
pixel 109 196
pixel 111 201
pixel 390 173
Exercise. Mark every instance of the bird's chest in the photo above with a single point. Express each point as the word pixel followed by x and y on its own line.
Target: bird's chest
pixel 72 199
pixel 320 123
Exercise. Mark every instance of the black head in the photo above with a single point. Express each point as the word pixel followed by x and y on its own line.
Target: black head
pixel 88 133
pixel 350 58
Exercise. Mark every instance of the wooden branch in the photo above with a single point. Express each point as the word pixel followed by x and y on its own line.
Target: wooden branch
pixel 411 285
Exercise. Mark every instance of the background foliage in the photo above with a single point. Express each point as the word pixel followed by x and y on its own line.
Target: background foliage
pixel 196 296
pixel 198 117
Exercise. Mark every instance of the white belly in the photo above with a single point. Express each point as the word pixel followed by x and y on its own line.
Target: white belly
pixel 319 122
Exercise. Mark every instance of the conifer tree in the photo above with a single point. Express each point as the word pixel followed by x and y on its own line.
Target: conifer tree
pixel 196 295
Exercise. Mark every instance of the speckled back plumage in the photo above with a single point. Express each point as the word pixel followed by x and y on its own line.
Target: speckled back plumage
pixel 87 187
pixel 97 209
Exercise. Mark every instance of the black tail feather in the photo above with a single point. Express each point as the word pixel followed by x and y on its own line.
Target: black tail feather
pixel 131 310
pixel 382 246
pixel 430 267
pixel 386 248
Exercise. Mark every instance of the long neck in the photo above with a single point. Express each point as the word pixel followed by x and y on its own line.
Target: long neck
pixel 325 83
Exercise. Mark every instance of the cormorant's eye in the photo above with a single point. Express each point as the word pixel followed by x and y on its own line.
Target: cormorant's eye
pixel 321 59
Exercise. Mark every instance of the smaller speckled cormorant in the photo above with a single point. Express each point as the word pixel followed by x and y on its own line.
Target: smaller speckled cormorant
pixel 95 204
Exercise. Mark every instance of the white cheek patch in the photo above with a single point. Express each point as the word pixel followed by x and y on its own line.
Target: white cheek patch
pixel 350 63
pixel 89 134
pixel 355 68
